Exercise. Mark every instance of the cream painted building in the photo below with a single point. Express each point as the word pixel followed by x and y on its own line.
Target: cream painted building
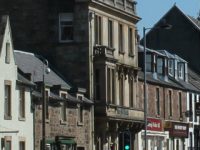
pixel 16 117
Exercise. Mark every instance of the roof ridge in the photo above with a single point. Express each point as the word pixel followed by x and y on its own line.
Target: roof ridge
pixel 23 52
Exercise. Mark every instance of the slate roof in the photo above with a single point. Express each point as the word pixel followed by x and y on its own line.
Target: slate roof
pixel 194 78
pixel 21 79
pixel 29 63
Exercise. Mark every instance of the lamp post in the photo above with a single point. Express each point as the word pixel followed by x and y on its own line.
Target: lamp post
pixel 45 70
pixel 163 26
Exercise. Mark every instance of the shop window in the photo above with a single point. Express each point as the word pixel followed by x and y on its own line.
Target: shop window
pixel 98 29
pixel 110 33
pixel 65 27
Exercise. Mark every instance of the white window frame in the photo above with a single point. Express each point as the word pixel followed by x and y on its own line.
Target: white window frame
pixel 181 70
pixel 171 67
pixel 65 17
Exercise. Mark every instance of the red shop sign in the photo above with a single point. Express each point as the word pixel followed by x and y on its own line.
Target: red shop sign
pixel 154 124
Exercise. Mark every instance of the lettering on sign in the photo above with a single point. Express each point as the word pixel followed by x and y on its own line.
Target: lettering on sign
pixel 154 124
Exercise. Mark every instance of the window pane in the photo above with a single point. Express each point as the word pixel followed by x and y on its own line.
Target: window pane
pixel 110 33
pixel 21 145
pixel 160 65
pixel 148 62
pixel 120 38
pixel 7 100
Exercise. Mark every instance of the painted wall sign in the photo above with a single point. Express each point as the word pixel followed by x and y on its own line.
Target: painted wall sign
pixel 154 124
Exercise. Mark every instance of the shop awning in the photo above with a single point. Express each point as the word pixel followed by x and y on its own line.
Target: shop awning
pixel 67 141
pixel 50 141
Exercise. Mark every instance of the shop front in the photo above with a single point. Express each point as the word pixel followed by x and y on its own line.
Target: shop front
pixel 156 136
pixel 178 132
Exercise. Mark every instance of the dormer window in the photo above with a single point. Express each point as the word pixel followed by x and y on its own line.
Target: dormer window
pixel 171 67
pixel 148 62
pixel 66 27
pixel 7 55
pixel 181 71
pixel 160 64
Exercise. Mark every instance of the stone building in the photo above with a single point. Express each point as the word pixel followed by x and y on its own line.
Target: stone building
pixel 93 44
pixel 168 89
pixel 16 115
pixel 68 113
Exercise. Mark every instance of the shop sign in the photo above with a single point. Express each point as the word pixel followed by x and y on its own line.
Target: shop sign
pixel 154 124
pixel 179 129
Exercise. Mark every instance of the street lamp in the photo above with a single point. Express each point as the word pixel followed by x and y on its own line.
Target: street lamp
pixel 163 26
pixel 45 70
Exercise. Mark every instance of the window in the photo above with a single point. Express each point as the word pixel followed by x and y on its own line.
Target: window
pixel 63 108
pixel 8 145
pixel 111 85
pixel 22 145
pixel 121 90
pixel 180 104
pixel 190 107
pixel 157 101
pixel 130 41
pixel 110 33
pixel 98 30
pixel 160 65
pixel 22 102
pixel 195 101
pixel 148 62
pixel 97 84
pixel 80 114
pixel 120 31
pixel 7 99
pixel 181 70
pixel 171 67
pixel 7 57
pixel 170 103
pixel 66 27
pixel 131 97
pixel 47 104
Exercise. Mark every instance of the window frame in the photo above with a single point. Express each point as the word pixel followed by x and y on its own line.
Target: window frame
pixel 157 98
pixel 7 53
pixel 181 70
pixel 171 67
pixel 63 108
pixel 8 106
pixel 131 41
pixel 20 142
pixel 68 18
pixel 121 38
pixel 110 85
pixel 110 33
pixel 98 29
pixel 22 104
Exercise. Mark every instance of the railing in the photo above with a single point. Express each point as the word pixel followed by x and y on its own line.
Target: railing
pixel 103 51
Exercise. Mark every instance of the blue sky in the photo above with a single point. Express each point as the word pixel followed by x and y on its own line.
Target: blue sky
pixel 152 10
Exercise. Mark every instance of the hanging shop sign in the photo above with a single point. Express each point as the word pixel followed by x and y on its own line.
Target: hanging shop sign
pixel 177 129
pixel 154 124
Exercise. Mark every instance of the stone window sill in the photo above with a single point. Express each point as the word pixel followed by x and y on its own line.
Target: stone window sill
pixel 7 117
pixel 63 122
pixel 22 119
pixel 80 123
